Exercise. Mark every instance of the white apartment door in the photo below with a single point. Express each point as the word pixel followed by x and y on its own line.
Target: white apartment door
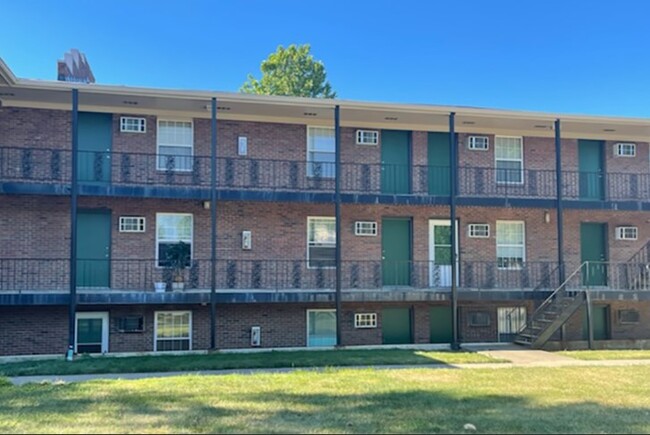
pixel 440 253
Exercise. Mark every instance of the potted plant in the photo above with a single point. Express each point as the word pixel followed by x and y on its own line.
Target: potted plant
pixel 178 258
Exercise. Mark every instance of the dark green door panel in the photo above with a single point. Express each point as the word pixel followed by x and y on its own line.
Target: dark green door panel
pixel 95 142
pixel 89 335
pixel 440 325
pixel 93 249
pixel 590 165
pixel 395 162
pixel 396 251
pixel 593 248
pixel 439 164
pixel 600 321
pixel 396 326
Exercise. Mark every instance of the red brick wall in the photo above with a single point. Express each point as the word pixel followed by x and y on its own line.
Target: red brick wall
pixel 33 330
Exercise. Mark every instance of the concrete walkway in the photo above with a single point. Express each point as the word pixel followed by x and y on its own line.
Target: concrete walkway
pixel 518 357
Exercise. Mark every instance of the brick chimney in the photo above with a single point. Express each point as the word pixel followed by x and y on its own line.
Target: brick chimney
pixel 74 68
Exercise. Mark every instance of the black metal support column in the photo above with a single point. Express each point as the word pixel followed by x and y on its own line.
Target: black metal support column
pixel 560 209
pixel 455 343
pixel 337 194
pixel 72 309
pixel 213 226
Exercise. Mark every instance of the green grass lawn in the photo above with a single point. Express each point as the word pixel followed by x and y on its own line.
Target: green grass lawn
pixel 512 400
pixel 220 361
pixel 607 354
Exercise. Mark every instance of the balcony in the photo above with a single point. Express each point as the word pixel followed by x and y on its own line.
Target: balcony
pixel 190 176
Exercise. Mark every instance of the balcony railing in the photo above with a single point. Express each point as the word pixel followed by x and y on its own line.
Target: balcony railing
pixel 52 275
pixel 40 165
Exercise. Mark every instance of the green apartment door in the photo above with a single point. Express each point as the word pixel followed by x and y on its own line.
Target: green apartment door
pixel 93 248
pixel 396 251
pixel 395 157
pixel 95 142
pixel 590 166
pixel 600 321
pixel 439 164
pixel 396 326
pixel 593 248
pixel 440 325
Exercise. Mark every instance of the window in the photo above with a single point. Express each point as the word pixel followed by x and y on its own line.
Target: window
pixel 510 321
pixel 132 224
pixel 479 318
pixel 365 320
pixel 172 228
pixel 321 242
pixel 321 328
pixel 130 323
pixel 367 137
pixel 479 231
pixel 365 228
pixel 175 145
pixel 173 331
pixel 133 125
pixel 320 152
pixel 625 149
pixel 628 316
pixel 478 143
pixel 627 233
pixel 510 245
pixel 509 155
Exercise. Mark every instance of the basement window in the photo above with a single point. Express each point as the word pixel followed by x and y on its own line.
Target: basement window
pixel 365 320
pixel 628 317
pixel 130 323
pixel 479 318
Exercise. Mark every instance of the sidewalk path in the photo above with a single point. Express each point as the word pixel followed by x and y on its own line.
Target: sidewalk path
pixel 518 357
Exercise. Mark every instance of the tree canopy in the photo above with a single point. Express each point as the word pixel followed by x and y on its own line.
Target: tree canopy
pixel 291 71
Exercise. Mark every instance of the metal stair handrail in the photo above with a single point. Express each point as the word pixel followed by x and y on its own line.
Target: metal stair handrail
pixel 551 297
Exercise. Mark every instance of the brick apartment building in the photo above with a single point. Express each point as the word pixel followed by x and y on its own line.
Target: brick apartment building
pixel 99 184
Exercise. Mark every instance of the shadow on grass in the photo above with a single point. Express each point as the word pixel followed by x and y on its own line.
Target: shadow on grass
pixel 227 361
pixel 197 410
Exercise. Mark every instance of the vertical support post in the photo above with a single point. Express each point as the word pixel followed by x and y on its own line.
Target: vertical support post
pixel 455 343
pixel 337 199
pixel 72 308
pixel 559 208
pixel 213 226
pixel 590 322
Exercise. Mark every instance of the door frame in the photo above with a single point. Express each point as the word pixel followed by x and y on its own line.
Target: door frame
pixel 103 315
pixel 437 221
pixel 105 211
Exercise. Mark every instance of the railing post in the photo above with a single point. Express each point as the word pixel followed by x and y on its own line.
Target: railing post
pixel 213 225
pixel 337 193
pixel 590 325
pixel 455 344
pixel 72 308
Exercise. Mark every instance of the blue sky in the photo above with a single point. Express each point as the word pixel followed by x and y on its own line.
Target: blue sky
pixel 588 57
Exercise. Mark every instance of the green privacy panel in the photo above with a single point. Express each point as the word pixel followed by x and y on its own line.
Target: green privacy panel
pixel 396 325
pixel 321 326
pixel 439 164
pixel 395 162
pixel 440 330
pixel 396 251
pixel 89 331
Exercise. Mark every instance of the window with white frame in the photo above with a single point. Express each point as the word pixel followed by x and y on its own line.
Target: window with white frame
pixel 511 241
pixel 509 159
pixel 132 224
pixel 173 331
pixel 481 143
pixel 625 149
pixel 367 137
pixel 175 145
pixel 171 229
pixel 627 233
pixel 365 320
pixel 479 231
pixel 321 152
pixel 365 228
pixel 129 124
pixel 321 242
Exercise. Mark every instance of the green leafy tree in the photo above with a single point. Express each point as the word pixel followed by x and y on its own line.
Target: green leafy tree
pixel 291 71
